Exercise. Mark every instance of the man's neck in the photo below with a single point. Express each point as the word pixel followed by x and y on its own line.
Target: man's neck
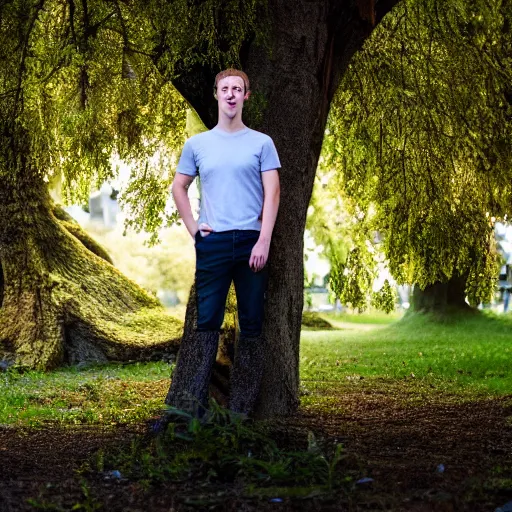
pixel 230 125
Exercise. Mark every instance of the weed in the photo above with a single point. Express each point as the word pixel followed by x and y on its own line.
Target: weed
pixel 225 448
pixel 43 505
pixel 89 504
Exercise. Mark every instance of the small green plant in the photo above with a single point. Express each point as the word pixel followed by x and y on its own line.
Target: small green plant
pixel 43 505
pixel 89 504
pixel 225 447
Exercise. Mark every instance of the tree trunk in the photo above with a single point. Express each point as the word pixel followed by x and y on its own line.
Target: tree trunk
pixel 311 44
pixel 311 47
pixel 61 301
pixel 1 285
pixel 441 298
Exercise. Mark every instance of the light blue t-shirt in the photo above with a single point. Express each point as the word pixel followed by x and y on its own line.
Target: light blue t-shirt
pixel 229 166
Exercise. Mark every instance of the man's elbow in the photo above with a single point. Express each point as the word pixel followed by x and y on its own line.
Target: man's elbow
pixel 177 188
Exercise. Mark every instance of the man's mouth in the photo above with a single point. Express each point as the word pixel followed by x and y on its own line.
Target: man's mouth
pixel 232 103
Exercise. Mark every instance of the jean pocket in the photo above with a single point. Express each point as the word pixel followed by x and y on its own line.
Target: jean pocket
pixel 198 236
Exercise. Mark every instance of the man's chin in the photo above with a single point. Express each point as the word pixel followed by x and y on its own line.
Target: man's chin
pixel 230 113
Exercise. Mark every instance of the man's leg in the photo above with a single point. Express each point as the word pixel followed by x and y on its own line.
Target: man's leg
pixel 190 380
pixel 250 290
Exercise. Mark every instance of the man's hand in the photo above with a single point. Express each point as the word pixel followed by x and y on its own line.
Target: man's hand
pixel 204 229
pixel 259 255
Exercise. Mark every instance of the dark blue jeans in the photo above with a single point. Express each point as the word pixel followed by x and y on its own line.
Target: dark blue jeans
pixel 223 257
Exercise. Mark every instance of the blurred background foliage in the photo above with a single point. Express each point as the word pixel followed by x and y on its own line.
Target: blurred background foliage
pixel 166 270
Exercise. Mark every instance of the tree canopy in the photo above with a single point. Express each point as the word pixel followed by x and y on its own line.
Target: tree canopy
pixel 419 136
pixel 88 80
pixel 80 86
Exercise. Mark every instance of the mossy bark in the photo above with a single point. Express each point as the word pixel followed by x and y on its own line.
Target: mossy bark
pixel 62 299
pixel 1 285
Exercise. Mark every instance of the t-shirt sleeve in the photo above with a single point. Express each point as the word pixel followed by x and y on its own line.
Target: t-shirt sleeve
pixel 187 162
pixel 269 159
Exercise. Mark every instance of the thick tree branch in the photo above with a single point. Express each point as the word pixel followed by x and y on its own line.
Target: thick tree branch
pixel 22 68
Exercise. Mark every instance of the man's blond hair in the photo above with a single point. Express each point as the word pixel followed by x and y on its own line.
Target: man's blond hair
pixel 232 72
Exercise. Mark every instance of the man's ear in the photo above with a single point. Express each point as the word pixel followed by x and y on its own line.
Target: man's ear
pixel 215 92
pixel 247 94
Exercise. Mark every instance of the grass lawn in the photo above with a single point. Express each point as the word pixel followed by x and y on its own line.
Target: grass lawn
pixel 469 355
pixel 107 395
pixel 470 358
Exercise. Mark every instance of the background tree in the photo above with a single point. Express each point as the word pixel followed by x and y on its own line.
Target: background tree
pixel 420 134
pixel 328 220
pixel 167 266
pixel 69 100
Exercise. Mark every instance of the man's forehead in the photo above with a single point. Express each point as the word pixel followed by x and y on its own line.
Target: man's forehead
pixel 231 80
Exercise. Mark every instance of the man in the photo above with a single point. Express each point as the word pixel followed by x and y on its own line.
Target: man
pixel 239 202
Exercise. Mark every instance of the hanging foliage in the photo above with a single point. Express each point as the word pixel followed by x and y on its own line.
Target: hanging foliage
pixel 419 137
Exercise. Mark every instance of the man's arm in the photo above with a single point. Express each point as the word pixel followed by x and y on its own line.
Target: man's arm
pixel 180 194
pixel 271 193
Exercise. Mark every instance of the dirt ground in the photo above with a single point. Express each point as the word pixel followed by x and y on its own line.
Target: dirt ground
pixel 397 442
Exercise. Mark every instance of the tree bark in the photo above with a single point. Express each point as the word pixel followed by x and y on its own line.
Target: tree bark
pixel 1 285
pixel 441 298
pixel 62 300
pixel 311 44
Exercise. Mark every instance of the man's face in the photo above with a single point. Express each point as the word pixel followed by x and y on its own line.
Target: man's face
pixel 231 96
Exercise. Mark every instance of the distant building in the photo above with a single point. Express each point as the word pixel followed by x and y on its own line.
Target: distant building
pixel 504 240
pixel 103 206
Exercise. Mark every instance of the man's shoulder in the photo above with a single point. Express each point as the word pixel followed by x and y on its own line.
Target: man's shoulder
pixel 199 138
pixel 259 135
